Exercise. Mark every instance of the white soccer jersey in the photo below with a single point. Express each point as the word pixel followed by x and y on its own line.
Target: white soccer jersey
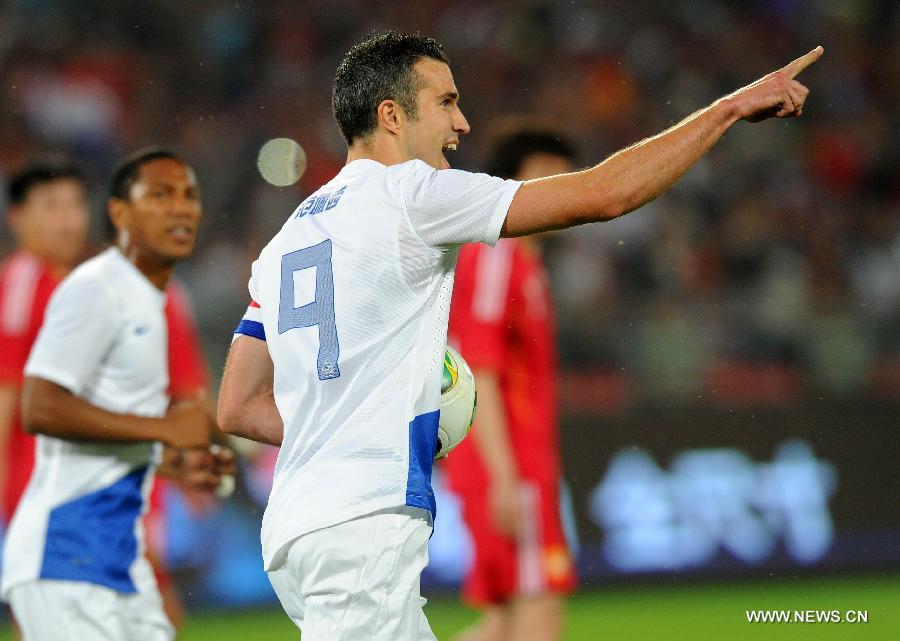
pixel 104 338
pixel 352 297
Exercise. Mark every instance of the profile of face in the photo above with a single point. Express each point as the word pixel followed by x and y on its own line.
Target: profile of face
pixel 160 219
pixel 53 221
pixel 439 123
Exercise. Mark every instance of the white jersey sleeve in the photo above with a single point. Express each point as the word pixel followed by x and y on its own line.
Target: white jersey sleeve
pixel 79 328
pixel 251 324
pixel 452 207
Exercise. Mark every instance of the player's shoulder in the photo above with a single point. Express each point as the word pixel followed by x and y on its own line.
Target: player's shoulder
pixel 410 179
pixel 104 264
pixel 409 168
pixel 409 175
pixel 95 277
pixel 418 170
pixel 25 285
pixel 393 181
pixel 416 166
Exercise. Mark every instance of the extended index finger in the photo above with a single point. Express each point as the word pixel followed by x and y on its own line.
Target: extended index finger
pixel 793 68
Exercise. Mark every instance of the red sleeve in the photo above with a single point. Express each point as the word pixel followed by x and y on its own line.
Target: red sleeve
pixel 187 368
pixel 480 302
pixel 25 289
pixel 13 354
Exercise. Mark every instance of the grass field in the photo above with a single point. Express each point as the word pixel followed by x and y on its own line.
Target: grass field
pixel 694 612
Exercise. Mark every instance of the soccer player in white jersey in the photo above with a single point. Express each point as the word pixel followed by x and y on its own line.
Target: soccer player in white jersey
pixel 338 358
pixel 95 394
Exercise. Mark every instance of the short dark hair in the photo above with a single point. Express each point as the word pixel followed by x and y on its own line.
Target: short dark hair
pixel 127 171
pixel 379 68
pixel 40 173
pixel 126 174
pixel 516 141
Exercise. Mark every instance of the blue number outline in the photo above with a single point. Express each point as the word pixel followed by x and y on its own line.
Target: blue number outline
pixel 319 313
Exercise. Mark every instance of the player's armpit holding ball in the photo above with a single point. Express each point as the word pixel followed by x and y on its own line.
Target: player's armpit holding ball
pixel 458 402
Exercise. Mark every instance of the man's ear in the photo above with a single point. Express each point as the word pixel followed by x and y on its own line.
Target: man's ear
pixel 391 116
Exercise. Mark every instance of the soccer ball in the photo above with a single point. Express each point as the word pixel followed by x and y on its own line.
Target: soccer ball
pixel 458 402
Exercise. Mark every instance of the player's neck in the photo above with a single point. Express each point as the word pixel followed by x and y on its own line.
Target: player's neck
pixel 378 148
pixel 158 271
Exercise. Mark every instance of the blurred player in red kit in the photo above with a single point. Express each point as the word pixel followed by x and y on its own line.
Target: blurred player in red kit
pixel 188 381
pixel 501 319
pixel 49 217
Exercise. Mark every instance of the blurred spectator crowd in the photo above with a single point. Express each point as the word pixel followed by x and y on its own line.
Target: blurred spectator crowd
pixel 769 274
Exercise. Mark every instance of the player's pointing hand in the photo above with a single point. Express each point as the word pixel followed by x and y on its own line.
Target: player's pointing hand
pixel 777 94
pixel 793 68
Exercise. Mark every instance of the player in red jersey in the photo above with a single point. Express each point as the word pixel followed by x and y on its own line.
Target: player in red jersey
pixel 501 319
pixel 49 217
pixel 188 381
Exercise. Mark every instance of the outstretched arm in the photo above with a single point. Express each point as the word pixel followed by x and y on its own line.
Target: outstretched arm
pixel 636 175
pixel 246 398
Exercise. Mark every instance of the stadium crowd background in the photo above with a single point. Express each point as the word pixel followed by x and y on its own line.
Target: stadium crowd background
pixel 779 251
pixel 767 277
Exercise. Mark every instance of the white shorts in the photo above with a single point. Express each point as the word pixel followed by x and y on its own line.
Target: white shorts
pixel 50 610
pixel 359 579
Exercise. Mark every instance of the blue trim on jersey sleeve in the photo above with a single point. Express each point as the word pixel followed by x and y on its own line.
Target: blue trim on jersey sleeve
pixel 251 328
pixel 423 433
pixel 92 538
